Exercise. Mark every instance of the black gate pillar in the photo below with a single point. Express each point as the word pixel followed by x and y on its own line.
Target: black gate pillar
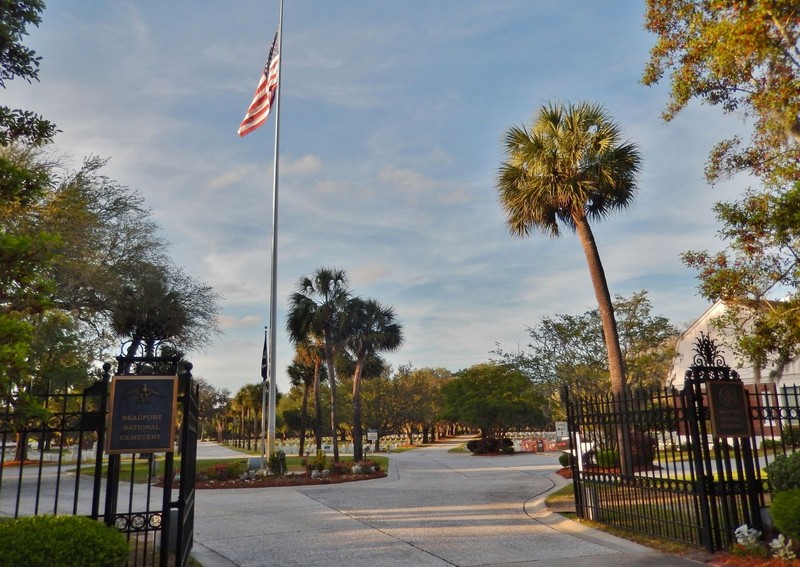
pixel 725 480
pixel 171 520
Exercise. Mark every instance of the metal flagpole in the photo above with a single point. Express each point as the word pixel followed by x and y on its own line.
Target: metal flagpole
pixel 273 318
pixel 264 374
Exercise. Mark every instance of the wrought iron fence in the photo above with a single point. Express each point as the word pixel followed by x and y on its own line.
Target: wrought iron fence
pixel 649 462
pixel 52 462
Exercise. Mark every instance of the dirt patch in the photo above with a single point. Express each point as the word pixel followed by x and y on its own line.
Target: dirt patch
pixel 565 472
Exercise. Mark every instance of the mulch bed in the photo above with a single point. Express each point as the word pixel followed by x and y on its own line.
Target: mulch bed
pixel 725 559
pixel 286 480
pixel 17 463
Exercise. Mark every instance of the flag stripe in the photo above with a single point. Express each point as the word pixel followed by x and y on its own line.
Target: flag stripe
pixel 258 111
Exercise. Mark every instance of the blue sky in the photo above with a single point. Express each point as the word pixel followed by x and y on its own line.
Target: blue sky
pixel 392 117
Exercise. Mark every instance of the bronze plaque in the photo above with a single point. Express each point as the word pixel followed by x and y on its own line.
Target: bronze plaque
pixel 142 414
pixel 730 410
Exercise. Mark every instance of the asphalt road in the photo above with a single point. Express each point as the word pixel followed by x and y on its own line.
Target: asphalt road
pixel 434 509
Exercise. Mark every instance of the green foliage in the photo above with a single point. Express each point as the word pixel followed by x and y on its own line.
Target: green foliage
pixel 16 60
pixel 571 168
pixel 786 512
pixel 490 445
pixel 790 436
pixel 565 460
pixel 236 468
pixel 415 397
pixel 570 350
pixel 79 252
pixel 61 541
pixel 762 232
pixel 784 472
pixel 494 398
pixel 748 543
pixel 607 458
pixel 643 448
pixel 741 56
pixel 319 463
pixel 314 311
pixel 368 464
pixel 276 462
pixel 231 469
pixel 367 328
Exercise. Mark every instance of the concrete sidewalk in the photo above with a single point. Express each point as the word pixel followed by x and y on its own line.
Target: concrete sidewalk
pixel 434 509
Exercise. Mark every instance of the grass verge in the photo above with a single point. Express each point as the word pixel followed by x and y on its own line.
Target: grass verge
pixel 564 498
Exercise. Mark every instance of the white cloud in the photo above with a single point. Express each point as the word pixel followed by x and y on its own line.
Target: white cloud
pixel 391 135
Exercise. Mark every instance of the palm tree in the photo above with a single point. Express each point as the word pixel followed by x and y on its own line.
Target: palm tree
pixel 569 168
pixel 306 370
pixel 315 310
pixel 371 328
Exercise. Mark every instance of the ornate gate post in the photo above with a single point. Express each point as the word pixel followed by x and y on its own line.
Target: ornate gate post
pixel 171 520
pixel 724 482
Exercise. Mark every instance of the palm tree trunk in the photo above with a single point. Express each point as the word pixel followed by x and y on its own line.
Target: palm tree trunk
pixel 358 447
pixel 332 379
pixel 317 410
pixel 616 364
pixel 303 419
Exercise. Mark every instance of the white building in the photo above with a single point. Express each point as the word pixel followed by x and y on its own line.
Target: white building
pixel 685 353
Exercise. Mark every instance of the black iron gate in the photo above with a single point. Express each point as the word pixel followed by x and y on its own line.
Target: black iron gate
pixel 650 462
pixel 52 462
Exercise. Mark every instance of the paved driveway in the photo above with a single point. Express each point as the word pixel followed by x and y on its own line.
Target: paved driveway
pixel 434 509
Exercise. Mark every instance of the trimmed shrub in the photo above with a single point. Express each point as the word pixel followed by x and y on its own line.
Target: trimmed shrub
pixel 367 465
pixel 786 512
pixel 276 462
pixel 339 468
pixel 790 435
pixel 218 472
pixel 770 444
pixel 784 472
pixel 643 448
pixel 473 446
pixel 608 459
pixel 224 471
pixel 318 463
pixel 565 460
pixel 236 468
pixel 61 541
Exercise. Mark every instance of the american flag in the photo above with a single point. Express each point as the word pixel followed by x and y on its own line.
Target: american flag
pixel 259 109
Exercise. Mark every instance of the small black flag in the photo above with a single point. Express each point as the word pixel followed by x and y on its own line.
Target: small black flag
pixel 265 360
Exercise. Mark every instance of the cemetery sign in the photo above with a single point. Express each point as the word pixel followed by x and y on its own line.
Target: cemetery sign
pixel 730 412
pixel 142 414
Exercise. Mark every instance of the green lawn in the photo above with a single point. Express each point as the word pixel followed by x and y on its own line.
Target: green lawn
pixel 566 495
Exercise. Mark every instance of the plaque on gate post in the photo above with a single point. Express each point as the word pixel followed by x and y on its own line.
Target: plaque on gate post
pixel 730 411
pixel 142 414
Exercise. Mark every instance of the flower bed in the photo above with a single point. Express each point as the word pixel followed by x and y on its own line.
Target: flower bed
pixel 278 480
